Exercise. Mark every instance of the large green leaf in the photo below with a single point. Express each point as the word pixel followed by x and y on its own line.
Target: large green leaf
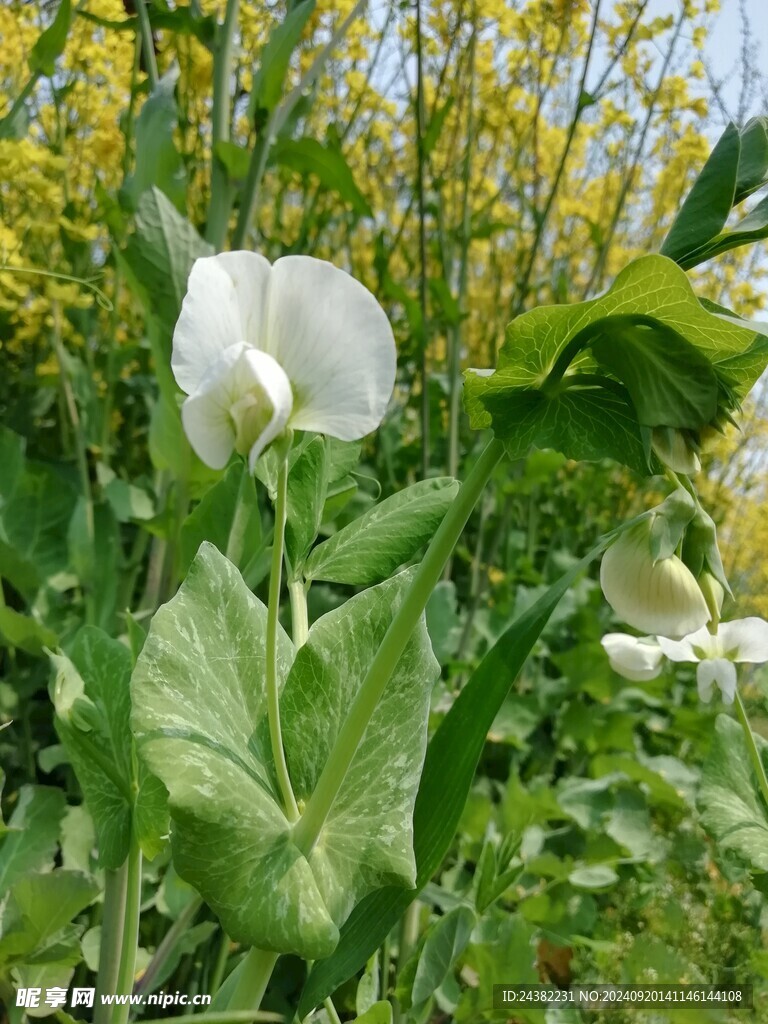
pixel 373 546
pixel 158 162
pixel 449 769
pixel 93 708
pixel 200 718
pixel 587 414
pixel 24 632
pixel 327 163
pixel 732 808
pixel 32 833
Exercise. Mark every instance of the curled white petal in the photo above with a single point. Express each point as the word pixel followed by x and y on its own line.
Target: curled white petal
pixel 718 671
pixel 635 658
pixel 659 597
pixel 336 345
pixel 745 639
pixel 208 324
pixel 244 402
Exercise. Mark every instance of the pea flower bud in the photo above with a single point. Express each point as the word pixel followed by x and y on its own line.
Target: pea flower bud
pixel 657 596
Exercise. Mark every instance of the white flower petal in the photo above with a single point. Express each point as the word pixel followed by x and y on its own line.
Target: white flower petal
pixel 335 342
pixel 243 402
pixel 251 276
pixel 745 639
pixel 720 671
pixel 638 659
pixel 208 324
pixel 692 647
pixel 657 597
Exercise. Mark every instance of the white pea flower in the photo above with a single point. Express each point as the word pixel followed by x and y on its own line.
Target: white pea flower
pixel 742 640
pixel 259 348
pixel 658 596
pixel 635 658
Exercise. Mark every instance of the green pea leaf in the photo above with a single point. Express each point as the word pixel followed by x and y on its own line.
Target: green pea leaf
pixel 327 163
pixel 379 1013
pixel 93 707
pixel 707 205
pixel 50 44
pixel 200 717
pixel 24 632
pixel 732 808
pixel 228 517
pixel 30 839
pixel 589 415
pixel 159 256
pixel 275 58
pixel 307 486
pixel 383 538
pixel 158 162
pixel 753 159
pixel 445 941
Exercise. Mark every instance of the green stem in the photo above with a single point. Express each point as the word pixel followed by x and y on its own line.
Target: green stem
pixel 250 197
pixel 221 964
pixel 307 829
pixel 754 753
pixel 254 978
pixel 330 1009
pixel 147 44
pixel 299 619
pixel 166 948
pixel 221 188
pixel 130 937
pixel 240 520
pixel 273 692
pixel 115 890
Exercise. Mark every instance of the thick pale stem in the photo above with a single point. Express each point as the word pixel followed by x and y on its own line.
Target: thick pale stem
pixel 130 939
pixel 754 753
pixel 273 692
pixel 115 889
pixel 221 189
pixel 307 829
pixel 254 977
pixel 299 618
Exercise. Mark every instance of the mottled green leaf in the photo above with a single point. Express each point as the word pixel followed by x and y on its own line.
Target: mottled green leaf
pixel 383 538
pixel 732 808
pixel 200 717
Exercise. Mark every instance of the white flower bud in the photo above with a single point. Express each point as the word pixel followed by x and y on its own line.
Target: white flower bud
pixel 660 597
